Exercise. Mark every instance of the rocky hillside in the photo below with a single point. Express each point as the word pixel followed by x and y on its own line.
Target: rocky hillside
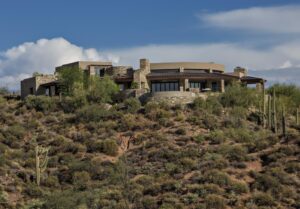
pixel 205 155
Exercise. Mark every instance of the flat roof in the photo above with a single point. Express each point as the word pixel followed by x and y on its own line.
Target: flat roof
pixel 190 75
pixel 187 65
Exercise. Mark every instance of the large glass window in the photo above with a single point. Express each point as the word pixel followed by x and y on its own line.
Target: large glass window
pixel 197 84
pixel 214 86
pixel 164 86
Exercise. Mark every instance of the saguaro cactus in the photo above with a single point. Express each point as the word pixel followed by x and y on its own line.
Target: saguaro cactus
pixel 283 121
pixel 274 113
pixel 264 106
pixel 269 111
pixel 297 116
pixel 41 161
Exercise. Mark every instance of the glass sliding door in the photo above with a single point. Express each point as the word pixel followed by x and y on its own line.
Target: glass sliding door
pixel 157 86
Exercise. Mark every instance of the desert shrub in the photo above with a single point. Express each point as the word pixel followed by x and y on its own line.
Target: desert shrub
pixel 94 113
pixel 210 105
pixel 149 202
pixel 205 189
pixel 265 182
pixel 129 121
pixel 236 117
pixel 292 167
pixel 71 104
pixel 199 139
pixel 240 135
pixel 236 153
pixel 156 110
pixel 51 181
pixel 13 135
pixel 63 199
pixel 81 180
pixel 199 103
pixel 189 198
pixel 110 147
pixel 238 95
pixel 40 103
pixel 239 187
pixel 215 201
pixel 213 105
pixel 33 191
pixel 263 199
pixel 216 177
pixel 216 137
pixel 210 121
pixel 132 105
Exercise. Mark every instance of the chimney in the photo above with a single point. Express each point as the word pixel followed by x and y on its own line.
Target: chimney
pixel 145 65
pixel 240 71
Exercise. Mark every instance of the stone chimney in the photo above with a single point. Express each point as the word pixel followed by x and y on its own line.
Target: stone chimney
pixel 145 65
pixel 240 72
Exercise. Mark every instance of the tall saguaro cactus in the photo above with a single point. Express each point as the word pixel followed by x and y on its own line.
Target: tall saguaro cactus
pixel 283 121
pixel 297 116
pixel 41 161
pixel 269 111
pixel 274 113
pixel 264 106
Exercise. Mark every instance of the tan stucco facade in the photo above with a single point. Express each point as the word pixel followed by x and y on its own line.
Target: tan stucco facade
pixel 33 85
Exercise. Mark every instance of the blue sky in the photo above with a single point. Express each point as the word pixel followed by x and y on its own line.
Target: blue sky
pixel 55 31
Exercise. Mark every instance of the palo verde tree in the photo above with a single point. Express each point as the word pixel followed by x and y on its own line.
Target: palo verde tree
pixel 69 80
pixel 101 89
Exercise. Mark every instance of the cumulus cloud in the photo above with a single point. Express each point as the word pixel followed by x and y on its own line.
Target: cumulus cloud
pixel 41 56
pixel 280 19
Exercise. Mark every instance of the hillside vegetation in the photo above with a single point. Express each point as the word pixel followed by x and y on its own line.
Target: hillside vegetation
pixel 213 154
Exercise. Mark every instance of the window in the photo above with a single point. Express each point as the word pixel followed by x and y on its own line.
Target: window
pixel 121 87
pixel 197 84
pixel 100 72
pixel 31 90
pixel 214 86
pixel 164 86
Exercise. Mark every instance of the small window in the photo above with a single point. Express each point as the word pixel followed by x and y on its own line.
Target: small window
pixel 121 87
pixel 31 90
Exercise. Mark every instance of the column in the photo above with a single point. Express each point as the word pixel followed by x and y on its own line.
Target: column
pixel 186 84
pixel 181 85
pixel 222 86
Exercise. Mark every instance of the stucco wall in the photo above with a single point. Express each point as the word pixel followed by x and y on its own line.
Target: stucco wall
pixel 35 83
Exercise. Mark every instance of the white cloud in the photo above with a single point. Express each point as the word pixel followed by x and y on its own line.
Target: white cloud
pixel 280 19
pixel 42 56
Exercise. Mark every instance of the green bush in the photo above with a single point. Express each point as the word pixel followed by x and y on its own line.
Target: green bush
pixel 215 201
pixel 132 105
pixel 81 180
pixel 216 177
pixel 110 147
pixel 238 95
pixel 216 137
pixel 94 113
pixel 102 90
pixel 263 199
pixel 71 104
pixel 40 103
pixel 13 135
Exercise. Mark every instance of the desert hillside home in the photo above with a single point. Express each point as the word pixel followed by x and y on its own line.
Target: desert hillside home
pixel 182 81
